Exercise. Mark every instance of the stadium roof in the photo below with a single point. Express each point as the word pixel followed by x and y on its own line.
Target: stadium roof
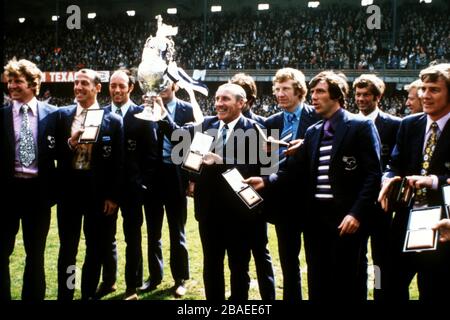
pixel 43 9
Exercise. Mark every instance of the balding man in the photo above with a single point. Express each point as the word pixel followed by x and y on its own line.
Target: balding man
pixel 224 220
pixel 89 180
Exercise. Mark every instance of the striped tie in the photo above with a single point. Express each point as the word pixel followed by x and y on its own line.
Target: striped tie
pixel 323 191
pixel 287 134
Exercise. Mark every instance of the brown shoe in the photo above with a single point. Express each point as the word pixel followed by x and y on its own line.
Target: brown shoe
pixel 104 290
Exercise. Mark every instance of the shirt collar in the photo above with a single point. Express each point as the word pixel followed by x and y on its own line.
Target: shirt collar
pixel 171 106
pixel 124 108
pixel 441 122
pixel 297 112
pixel 230 125
pixel 373 115
pixel 33 104
pixel 92 107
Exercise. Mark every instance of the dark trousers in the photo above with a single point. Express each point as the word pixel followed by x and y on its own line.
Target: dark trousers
pixel 334 261
pixel 109 257
pixel 218 238
pixel 378 229
pixel 34 213
pixel 71 212
pixel 432 268
pixel 289 245
pixel 166 195
pixel 263 260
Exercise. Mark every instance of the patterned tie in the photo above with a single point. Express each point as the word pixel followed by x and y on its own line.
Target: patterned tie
pixel 119 112
pixel 26 143
pixel 222 140
pixel 428 153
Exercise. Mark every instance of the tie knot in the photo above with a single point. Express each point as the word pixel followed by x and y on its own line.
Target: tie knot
pixel 25 108
pixel 225 127
pixel 434 126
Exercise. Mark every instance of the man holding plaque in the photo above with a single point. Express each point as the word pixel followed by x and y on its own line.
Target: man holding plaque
pixel 289 88
pixel 339 164
pixel 224 217
pixel 422 155
pixel 369 90
pixel 90 172
pixel 167 191
pixel 27 176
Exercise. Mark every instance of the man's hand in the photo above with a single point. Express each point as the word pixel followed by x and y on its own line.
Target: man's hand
pixel 212 158
pixel 420 182
pixel 444 228
pixel 256 182
pixel 109 207
pixel 73 140
pixel 190 189
pixel 293 146
pixel 385 189
pixel 348 225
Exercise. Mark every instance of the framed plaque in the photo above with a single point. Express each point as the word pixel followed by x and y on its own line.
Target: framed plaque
pixel 420 235
pixel 245 192
pixel 201 144
pixel 400 195
pixel 91 125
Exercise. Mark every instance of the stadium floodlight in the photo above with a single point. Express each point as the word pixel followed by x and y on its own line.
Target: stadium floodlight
pixel 263 6
pixel 426 1
pixel 21 20
pixel 313 4
pixel 91 15
pixel 216 8
pixel 365 3
pixel 55 18
pixel 172 10
pixel 131 13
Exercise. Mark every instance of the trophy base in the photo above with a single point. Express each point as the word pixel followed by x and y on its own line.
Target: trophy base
pixel 148 115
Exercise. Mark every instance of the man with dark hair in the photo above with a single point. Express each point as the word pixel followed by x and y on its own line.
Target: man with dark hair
pixel 89 183
pixel 27 173
pixel 340 170
pixel 422 155
pixel 139 154
pixel 369 90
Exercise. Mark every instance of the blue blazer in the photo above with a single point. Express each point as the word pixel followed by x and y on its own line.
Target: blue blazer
pixel 255 117
pixel 355 167
pixel 407 156
pixel 45 145
pixel 107 156
pixel 140 149
pixel 387 127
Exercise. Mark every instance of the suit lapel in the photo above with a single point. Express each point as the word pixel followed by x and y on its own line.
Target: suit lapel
pixel 417 141
pixel 42 115
pixel 441 146
pixel 339 134
pixel 379 123
pixel 315 144
pixel 10 128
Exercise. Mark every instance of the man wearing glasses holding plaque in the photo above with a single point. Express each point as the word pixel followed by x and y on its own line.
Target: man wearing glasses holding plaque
pixel 90 172
pixel 422 155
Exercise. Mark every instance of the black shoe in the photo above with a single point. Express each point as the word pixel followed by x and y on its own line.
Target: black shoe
pixel 180 288
pixel 104 290
pixel 149 286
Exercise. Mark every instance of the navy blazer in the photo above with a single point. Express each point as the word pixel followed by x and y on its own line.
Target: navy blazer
pixel 387 127
pixel 140 149
pixel 407 156
pixel 107 156
pixel 45 148
pixel 308 117
pixel 355 167
pixel 255 117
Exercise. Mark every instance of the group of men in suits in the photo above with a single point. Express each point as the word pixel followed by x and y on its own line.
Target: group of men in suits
pixel 331 170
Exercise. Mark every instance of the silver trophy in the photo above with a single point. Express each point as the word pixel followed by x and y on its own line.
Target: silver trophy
pixel 152 71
